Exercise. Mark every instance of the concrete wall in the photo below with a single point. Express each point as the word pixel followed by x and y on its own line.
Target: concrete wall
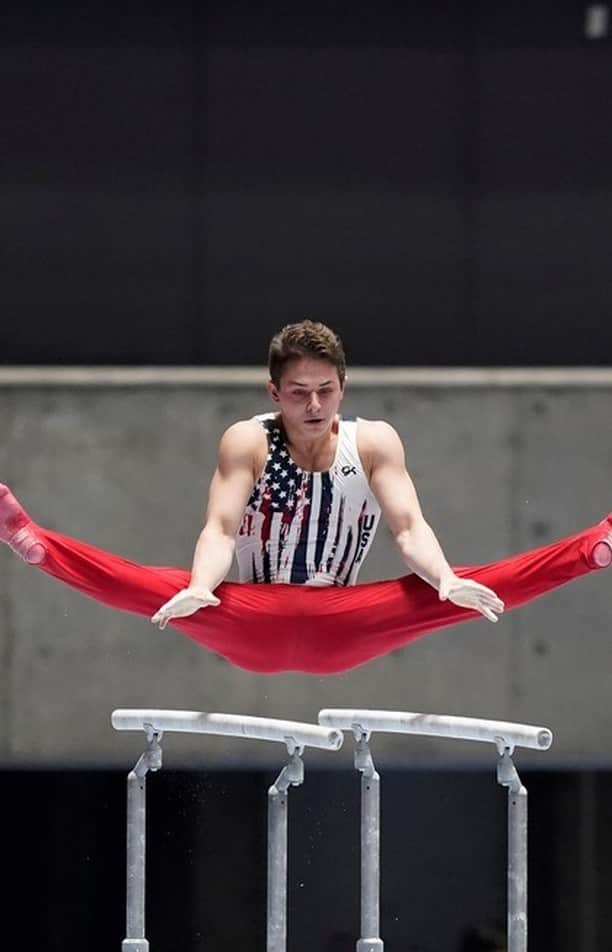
pixel 498 469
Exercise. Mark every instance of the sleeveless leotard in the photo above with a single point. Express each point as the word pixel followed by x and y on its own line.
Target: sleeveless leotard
pixel 307 528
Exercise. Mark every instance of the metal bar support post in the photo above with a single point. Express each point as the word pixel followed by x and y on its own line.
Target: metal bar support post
pixel 294 734
pixel 370 940
pixel 151 759
pixel 292 775
pixel 507 776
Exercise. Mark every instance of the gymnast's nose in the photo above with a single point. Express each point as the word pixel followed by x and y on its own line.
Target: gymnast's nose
pixel 314 403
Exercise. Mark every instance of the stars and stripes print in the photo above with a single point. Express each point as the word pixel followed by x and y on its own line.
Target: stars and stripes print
pixel 301 527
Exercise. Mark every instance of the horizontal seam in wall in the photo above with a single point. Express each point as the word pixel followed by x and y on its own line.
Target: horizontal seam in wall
pixel 232 376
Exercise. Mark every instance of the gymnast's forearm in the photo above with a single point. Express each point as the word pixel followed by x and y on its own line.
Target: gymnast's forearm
pixel 212 559
pixel 423 554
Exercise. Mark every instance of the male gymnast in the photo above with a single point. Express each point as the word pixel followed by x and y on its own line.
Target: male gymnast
pixel 296 498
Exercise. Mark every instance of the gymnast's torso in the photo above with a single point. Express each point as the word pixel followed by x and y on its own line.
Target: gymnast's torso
pixel 307 528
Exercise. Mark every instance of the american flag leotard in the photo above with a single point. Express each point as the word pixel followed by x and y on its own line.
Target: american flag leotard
pixel 312 528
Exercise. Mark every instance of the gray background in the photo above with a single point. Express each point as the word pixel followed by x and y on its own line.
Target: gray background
pixel 498 469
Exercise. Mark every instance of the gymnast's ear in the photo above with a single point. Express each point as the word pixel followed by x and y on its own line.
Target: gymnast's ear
pixel 272 390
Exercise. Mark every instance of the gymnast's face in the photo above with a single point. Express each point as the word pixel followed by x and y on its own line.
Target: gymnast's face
pixel 309 394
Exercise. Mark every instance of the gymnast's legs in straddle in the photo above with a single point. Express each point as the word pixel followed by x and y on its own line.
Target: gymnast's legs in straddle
pixel 275 628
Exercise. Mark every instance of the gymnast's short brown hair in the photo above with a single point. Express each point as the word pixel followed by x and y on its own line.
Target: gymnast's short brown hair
pixel 305 339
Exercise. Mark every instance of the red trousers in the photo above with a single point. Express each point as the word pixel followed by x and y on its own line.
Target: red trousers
pixel 275 628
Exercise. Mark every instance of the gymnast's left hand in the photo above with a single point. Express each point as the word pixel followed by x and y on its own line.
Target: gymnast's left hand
pixel 469 594
pixel 186 602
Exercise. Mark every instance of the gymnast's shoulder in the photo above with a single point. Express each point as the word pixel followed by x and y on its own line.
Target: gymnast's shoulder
pixel 373 431
pixel 244 439
pixel 377 439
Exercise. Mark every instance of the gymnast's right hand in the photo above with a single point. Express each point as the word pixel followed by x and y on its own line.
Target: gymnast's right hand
pixel 186 602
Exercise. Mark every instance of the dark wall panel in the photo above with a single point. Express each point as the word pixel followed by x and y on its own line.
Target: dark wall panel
pixel 442 855
pixel 177 184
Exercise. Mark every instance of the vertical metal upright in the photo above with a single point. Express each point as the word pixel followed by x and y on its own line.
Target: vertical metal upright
pixel 507 776
pixel 506 736
pixel 295 735
pixel 370 940
pixel 151 759
pixel 292 774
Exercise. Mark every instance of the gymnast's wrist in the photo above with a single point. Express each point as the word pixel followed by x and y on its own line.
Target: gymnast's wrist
pixel 199 590
pixel 446 579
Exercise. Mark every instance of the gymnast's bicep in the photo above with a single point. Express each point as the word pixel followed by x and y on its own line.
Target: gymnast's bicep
pixel 241 452
pixel 391 483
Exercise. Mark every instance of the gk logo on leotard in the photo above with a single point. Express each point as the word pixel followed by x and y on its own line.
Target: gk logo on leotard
pixel 349 471
pixel 366 532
